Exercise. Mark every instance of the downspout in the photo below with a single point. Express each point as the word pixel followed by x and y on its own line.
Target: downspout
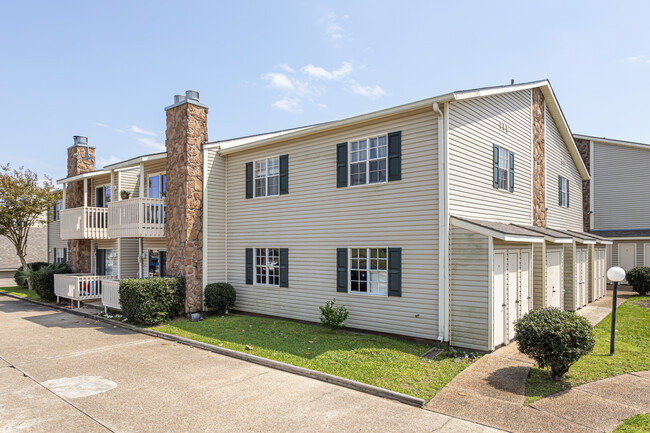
pixel 443 222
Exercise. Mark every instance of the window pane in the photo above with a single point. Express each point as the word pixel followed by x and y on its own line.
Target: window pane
pixel 273 167
pixel 378 171
pixel 274 185
pixel 260 187
pixel 358 174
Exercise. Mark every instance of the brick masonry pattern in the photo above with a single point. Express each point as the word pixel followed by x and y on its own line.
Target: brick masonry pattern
pixel 539 160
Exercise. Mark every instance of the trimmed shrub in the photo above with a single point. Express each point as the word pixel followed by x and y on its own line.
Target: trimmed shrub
pixel 639 278
pixel 555 339
pixel 43 280
pixel 20 276
pixel 219 297
pixel 332 315
pixel 150 301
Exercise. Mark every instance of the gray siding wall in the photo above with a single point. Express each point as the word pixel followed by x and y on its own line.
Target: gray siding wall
pixel 559 162
pixel 316 218
pixel 569 277
pixel 468 289
pixel 621 186
pixel 473 130
pixel 128 256
pixel 639 251
pixel 215 222
pixel 539 274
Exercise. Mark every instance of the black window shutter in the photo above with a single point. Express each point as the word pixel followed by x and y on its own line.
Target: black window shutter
pixel 394 272
pixel 395 156
pixel 284 174
pixel 512 172
pixel 567 192
pixel 342 270
pixel 284 267
pixel 342 165
pixel 495 174
pixel 249 266
pixel 249 180
pixel 559 189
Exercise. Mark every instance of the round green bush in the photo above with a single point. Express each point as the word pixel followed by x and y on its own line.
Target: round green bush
pixel 219 297
pixel 555 339
pixel 150 301
pixel 20 276
pixel 43 280
pixel 639 279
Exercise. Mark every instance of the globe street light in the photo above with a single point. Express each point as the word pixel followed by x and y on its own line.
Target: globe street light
pixel 615 275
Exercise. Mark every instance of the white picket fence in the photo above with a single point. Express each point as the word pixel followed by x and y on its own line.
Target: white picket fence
pixel 111 295
pixel 137 217
pixel 84 223
pixel 80 287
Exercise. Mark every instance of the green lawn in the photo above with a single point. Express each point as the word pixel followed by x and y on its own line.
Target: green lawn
pixel 632 352
pixel 380 361
pixel 636 424
pixel 23 293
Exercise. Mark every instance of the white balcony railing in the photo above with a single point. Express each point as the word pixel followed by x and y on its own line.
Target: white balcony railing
pixel 80 287
pixel 137 218
pixel 111 294
pixel 84 223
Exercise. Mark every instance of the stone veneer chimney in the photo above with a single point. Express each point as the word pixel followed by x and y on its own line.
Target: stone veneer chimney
pixel 187 129
pixel 583 148
pixel 539 160
pixel 81 159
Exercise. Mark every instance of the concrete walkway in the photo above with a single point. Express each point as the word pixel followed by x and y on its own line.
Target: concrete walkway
pixel 63 373
pixel 492 392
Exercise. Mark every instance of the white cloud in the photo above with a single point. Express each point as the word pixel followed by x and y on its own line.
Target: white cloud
pixel 138 130
pixel 278 81
pixel 151 142
pixel 291 105
pixel 635 58
pixel 286 68
pixel 372 92
pixel 332 29
pixel 319 72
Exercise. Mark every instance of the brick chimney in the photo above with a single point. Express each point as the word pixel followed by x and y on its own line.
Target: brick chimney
pixel 187 129
pixel 539 160
pixel 81 159
pixel 584 149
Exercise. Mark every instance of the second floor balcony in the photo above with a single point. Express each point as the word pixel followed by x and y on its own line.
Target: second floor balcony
pixel 84 223
pixel 137 218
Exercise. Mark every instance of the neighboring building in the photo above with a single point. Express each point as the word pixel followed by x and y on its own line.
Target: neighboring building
pixel 57 248
pixel 612 207
pixel 444 219
pixel 9 261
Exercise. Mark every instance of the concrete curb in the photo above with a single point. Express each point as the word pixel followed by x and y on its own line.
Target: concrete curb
pixel 336 380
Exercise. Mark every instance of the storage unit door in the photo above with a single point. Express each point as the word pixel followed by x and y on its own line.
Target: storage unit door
pixel 626 257
pixel 582 276
pixel 646 255
pixel 512 298
pixel 554 278
pixel 600 272
pixel 498 304
pixel 526 293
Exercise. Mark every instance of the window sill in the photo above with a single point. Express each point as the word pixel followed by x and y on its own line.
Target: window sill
pixel 367 295
pixel 368 184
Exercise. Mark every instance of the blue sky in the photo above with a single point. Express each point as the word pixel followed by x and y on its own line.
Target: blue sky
pixel 107 69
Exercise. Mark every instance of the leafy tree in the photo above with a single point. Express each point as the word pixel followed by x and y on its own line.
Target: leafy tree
pixel 23 202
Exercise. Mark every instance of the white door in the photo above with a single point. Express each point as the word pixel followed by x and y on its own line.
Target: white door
pixel 600 272
pixel 626 257
pixel 581 277
pixel 646 255
pixel 498 304
pixel 512 298
pixel 554 278
pixel 526 294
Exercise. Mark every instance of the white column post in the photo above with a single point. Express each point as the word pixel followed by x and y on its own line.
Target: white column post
pixel 65 187
pixel 141 180
pixel 113 186
pixel 119 185
pixel 140 258
pixel 85 192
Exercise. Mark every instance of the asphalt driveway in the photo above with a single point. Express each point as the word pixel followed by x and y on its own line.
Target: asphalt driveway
pixel 63 373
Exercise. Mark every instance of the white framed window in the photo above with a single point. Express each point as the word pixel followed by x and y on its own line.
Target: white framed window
pixel 102 196
pixel 267 177
pixel 267 266
pixel 56 210
pixel 157 185
pixel 564 191
pixel 504 169
pixel 368 160
pixel 60 255
pixel 369 271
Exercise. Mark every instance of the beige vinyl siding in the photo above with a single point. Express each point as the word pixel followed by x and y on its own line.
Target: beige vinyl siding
pixel 128 258
pixel 621 186
pixel 468 289
pixel 473 130
pixel 130 181
pixel 559 162
pixel 316 218
pixel 639 251
pixel 54 239
pixel 569 277
pixel 215 218
pixel 154 244
pixel 539 276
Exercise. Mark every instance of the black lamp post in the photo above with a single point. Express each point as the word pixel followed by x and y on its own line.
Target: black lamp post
pixel 615 275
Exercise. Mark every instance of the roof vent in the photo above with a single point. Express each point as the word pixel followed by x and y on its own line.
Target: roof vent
pixel 80 141
pixel 512 81
pixel 192 95
pixel 179 99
